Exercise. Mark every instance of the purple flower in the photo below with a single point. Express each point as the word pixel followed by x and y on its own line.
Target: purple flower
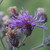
pixel 25 20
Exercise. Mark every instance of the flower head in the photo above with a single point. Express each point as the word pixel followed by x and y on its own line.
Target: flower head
pixel 25 20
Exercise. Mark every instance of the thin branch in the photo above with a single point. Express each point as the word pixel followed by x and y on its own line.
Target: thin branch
pixel 44 36
pixel 40 46
pixel 37 47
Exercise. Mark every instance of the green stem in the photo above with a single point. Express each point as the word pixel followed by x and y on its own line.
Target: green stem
pixel 44 36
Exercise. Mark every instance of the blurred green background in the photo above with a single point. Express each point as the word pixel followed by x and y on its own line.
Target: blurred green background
pixel 36 38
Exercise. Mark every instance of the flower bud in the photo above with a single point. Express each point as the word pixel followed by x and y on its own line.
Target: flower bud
pixel 42 14
pixel 1 15
pixel 14 40
pixel 14 36
pixel 40 10
pixel 6 20
pixel 13 11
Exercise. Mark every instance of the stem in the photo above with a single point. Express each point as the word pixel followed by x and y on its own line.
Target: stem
pixel 42 45
pixel 37 47
pixel 22 42
pixel 17 48
pixel 13 48
pixel 9 45
pixel 44 36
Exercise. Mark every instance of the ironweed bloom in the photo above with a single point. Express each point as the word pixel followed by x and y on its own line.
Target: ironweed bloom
pixel 14 36
pixel 41 13
pixel 27 22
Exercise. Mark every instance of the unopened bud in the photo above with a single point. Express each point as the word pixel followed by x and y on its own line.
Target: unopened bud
pixel 40 10
pixel 42 14
pixel 14 36
pixel 13 11
pixel 6 20
pixel 14 40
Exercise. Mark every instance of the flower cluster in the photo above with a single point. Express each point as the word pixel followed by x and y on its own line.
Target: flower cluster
pixel 19 23
pixel 25 23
